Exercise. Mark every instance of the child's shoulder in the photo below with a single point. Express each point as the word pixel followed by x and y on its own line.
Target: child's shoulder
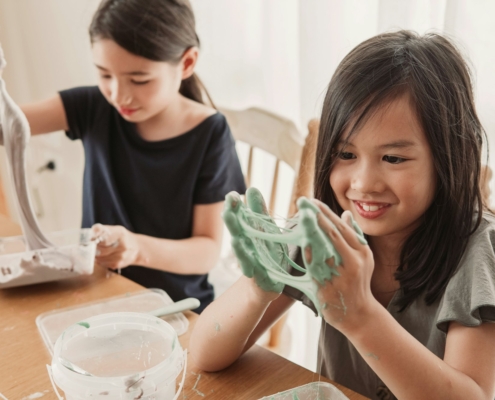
pixel 485 231
pixel 204 117
pixel 470 294
pixel 197 111
pixel 481 243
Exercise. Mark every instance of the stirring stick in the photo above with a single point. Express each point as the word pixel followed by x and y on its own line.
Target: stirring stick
pixel 190 303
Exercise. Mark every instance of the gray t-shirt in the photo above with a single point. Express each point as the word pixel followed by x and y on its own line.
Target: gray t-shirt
pixel 469 299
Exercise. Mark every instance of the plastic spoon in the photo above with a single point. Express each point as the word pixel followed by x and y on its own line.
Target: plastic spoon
pixel 182 305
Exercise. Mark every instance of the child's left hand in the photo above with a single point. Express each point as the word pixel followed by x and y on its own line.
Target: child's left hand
pixel 117 247
pixel 347 298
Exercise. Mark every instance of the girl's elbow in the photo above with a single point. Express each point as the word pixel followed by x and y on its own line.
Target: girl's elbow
pixel 204 360
pixel 209 365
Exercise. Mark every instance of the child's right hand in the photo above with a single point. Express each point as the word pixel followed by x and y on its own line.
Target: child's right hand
pixel 246 248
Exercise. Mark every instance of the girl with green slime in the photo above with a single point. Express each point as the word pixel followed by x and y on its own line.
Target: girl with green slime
pixel 411 314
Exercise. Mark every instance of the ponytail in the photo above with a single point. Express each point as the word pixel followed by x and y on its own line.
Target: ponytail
pixel 193 89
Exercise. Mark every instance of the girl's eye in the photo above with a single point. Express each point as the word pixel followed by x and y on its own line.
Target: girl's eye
pixel 105 76
pixel 393 159
pixel 140 82
pixel 346 156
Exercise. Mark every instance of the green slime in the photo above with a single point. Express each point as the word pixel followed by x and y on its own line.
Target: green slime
pixel 262 247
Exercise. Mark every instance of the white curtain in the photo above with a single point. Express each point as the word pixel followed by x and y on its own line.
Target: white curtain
pixel 276 54
pixel 281 54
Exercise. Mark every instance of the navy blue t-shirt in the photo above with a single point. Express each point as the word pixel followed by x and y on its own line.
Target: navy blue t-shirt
pixel 151 187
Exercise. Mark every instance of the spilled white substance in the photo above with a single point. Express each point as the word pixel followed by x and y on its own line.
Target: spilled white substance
pixel 36 395
pixel 15 136
pixel 41 260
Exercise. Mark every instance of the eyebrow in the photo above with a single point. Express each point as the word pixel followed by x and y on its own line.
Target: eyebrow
pixel 133 73
pixel 399 144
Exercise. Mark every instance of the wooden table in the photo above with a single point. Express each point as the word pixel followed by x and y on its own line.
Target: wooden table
pixel 23 355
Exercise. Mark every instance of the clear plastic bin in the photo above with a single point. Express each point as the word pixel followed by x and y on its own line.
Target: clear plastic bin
pixel 310 391
pixel 73 255
pixel 51 324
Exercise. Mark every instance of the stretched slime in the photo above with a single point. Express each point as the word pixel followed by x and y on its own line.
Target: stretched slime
pixel 14 135
pixel 262 247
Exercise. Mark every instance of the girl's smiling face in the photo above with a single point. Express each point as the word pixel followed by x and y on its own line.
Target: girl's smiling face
pixel 137 87
pixel 385 175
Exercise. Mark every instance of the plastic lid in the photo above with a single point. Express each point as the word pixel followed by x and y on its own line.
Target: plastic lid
pixel 310 391
pixel 52 323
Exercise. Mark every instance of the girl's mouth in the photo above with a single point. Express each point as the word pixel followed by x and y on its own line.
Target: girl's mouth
pixel 127 111
pixel 370 210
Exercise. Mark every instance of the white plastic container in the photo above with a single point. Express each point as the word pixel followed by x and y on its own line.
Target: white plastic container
pixel 73 255
pixel 310 391
pixel 118 356
pixel 51 324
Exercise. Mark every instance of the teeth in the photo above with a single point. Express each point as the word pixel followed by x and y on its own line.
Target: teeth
pixel 368 207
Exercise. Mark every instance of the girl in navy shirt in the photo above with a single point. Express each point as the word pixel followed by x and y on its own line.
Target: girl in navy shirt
pixel 158 161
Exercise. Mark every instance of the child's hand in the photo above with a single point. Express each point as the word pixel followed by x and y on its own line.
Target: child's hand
pixel 117 247
pixel 347 298
pixel 245 248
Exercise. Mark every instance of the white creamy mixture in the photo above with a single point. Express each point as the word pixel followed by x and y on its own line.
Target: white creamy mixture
pixel 15 136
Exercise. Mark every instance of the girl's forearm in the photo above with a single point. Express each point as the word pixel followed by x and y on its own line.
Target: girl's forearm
pixel 195 255
pixel 407 367
pixel 225 326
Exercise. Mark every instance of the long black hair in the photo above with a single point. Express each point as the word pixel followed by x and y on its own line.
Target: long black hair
pixel 159 30
pixel 432 72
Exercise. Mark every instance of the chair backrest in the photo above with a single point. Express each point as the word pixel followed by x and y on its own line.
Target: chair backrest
pixel 279 137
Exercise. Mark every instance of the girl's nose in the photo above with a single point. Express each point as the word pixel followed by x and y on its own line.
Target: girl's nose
pixel 119 95
pixel 367 178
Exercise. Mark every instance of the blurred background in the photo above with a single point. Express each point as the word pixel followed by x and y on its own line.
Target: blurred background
pixel 274 54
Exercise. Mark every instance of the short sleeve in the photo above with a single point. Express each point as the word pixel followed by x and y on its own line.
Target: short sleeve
pixel 80 106
pixel 469 298
pixel 221 171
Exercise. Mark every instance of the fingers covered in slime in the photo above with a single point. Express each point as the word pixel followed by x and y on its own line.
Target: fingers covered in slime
pixel 262 247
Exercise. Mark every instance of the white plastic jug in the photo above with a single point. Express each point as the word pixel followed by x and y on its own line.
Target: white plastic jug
pixel 118 356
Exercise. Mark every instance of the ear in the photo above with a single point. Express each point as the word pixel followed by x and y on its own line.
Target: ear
pixel 188 62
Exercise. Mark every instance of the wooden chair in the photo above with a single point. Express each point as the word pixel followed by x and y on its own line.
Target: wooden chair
pixel 279 137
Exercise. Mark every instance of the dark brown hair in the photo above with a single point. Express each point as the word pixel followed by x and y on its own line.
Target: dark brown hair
pixel 159 30
pixel 431 71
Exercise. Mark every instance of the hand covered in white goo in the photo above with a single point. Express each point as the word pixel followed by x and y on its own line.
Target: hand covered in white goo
pixel 117 247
